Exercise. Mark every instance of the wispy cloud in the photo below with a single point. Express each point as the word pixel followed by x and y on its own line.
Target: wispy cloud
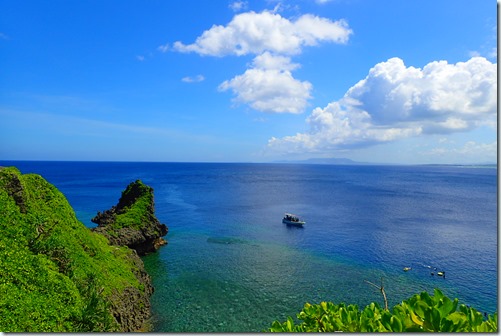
pixel 471 151
pixel 164 48
pixel 238 6
pixel 488 48
pixel 195 79
pixel 75 126
pixel 3 36
pixel 395 102
pixel 140 58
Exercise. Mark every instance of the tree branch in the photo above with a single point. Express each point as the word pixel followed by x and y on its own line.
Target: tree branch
pixel 381 288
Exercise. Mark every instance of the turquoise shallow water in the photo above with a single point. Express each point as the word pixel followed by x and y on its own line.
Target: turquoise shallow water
pixel 231 265
pixel 241 286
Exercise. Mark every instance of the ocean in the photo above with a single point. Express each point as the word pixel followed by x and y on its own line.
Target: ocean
pixel 232 266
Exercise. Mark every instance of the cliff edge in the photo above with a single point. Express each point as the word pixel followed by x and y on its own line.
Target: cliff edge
pixel 56 275
pixel 132 222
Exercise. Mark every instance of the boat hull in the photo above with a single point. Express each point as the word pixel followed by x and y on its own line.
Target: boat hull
pixel 288 222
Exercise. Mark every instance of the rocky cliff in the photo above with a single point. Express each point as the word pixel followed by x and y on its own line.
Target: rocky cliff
pixel 56 275
pixel 132 222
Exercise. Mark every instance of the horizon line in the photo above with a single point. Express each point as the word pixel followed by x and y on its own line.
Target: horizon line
pixel 303 162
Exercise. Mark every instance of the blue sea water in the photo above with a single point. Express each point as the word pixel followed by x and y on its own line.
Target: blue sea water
pixel 232 266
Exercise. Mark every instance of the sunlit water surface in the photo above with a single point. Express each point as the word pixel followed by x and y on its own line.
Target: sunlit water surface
pixel 231 265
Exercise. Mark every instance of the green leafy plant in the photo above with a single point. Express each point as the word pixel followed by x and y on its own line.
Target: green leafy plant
pixel 421 313
pixel 94 315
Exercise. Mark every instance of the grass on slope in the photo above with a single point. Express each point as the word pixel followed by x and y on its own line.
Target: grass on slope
pixel 55 274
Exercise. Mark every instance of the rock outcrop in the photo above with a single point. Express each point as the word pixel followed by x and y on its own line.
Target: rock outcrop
pixel 131 306
pixel 132 222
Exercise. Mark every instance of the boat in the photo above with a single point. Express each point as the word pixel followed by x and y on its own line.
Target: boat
pixel 294 220
pixel 406 269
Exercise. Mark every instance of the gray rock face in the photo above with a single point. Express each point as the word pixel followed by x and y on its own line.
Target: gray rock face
pixel 131 307
pixel 15 190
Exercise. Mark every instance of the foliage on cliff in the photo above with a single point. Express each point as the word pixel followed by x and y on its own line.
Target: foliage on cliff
pixel 421 313
pixel 55 274
pixel 132 222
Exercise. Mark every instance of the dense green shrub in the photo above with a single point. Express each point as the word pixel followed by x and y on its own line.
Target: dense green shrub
pixel 136 214
pixel 422 313
pixel 55 274
pixel 134 209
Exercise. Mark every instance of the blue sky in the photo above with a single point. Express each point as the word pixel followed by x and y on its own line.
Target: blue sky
pixel 385 81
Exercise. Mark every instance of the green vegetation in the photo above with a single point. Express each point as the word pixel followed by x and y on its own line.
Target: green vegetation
pixel 132 222
pixel 135 214
pixel 421 313
pixel 55 274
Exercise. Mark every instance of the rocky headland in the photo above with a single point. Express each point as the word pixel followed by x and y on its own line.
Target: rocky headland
pixel 132 222
pixel 57 275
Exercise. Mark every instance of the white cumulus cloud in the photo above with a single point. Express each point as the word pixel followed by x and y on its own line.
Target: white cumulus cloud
pixel 254 33
pixel 395 101
pixel 269 86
